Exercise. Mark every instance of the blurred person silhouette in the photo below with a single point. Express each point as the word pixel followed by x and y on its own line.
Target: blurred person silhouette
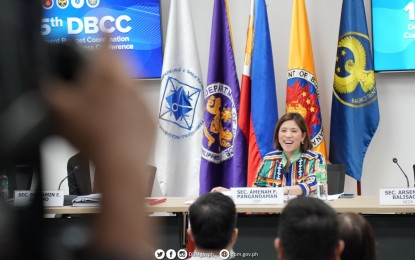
pixel 23 120
pixel 96 108
pixel 81 175
pixel 212 225
pixel 103 116
pixel 308 230
pixel 358 237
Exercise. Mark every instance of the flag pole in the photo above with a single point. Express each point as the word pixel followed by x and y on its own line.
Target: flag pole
pixel 359 188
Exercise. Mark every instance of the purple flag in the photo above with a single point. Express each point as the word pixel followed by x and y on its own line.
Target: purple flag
pixel 222 138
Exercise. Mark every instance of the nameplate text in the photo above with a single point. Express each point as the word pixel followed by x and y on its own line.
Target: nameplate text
pixel 53 198
pixel 260 196
pixel 23 197
pixel 397 196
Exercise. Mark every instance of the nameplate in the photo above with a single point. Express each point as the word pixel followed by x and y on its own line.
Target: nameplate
pixel 23 197
pixel 397 196
pixel 260 196
pixel 53 198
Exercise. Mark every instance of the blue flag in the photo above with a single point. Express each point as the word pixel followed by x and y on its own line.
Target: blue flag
pixel 222 138
pixel 355 110
pixel 258 113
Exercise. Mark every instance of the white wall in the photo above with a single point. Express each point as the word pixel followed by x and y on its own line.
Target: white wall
pixel 396 91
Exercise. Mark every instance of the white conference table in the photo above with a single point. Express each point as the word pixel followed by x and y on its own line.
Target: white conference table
pixel 358 204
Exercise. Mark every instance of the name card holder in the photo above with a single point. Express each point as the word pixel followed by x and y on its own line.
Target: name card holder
pixel 259 196
pixel 53 198
pixel 23 197
pixel 397 196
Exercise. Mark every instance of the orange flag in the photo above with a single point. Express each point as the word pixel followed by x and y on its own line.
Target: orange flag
pixel 302 87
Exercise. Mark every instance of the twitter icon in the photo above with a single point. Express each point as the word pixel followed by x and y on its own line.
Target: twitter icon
pixel 159 254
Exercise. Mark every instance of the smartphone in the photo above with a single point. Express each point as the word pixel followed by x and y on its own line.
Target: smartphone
pixel 347 195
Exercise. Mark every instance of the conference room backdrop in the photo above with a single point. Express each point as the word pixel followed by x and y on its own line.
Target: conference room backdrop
pixel 396 91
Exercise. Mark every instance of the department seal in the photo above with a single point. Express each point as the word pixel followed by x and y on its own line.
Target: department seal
pixel 302 93
pixel 219 130
pixel 62 4
pixel 180 103
pixel 354 78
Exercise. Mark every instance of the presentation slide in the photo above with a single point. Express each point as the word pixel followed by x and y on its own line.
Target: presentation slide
pixel 393 24
pixel 134 27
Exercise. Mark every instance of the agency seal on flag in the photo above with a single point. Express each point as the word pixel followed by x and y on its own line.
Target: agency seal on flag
pixel 302 91
pixel 354 78
pixel 221 123
pixel 180 98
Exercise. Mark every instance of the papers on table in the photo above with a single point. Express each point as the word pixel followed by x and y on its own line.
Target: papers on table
pixel 92 200
pixel 334 196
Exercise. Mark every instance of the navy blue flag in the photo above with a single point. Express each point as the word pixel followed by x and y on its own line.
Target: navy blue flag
pixel 355 110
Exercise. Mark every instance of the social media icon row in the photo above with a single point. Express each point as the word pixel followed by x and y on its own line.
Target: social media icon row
pixel 170 254
pixel 182 254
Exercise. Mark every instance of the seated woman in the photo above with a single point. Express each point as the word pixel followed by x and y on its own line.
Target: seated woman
pixel 293 164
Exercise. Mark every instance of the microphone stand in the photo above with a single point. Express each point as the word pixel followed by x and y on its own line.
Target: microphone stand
pixel 70 173
pixel 396 161
pixel 413 167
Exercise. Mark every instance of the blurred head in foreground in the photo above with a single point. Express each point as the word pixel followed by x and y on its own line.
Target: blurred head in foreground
pixel 358 237
pixel 213 223
pixel 308 229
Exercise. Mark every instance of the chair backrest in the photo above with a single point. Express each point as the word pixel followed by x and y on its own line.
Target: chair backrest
pixel 19 177
pixel 23 177
pixel 150 176
pixel 335 178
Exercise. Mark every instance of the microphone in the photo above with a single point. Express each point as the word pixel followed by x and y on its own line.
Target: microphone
pixel 396 161
pixel 70 173
pixel 414 173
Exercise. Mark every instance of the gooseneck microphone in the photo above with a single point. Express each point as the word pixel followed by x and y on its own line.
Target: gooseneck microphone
pixel 396 161
pixel 414 173
pixel 70 173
